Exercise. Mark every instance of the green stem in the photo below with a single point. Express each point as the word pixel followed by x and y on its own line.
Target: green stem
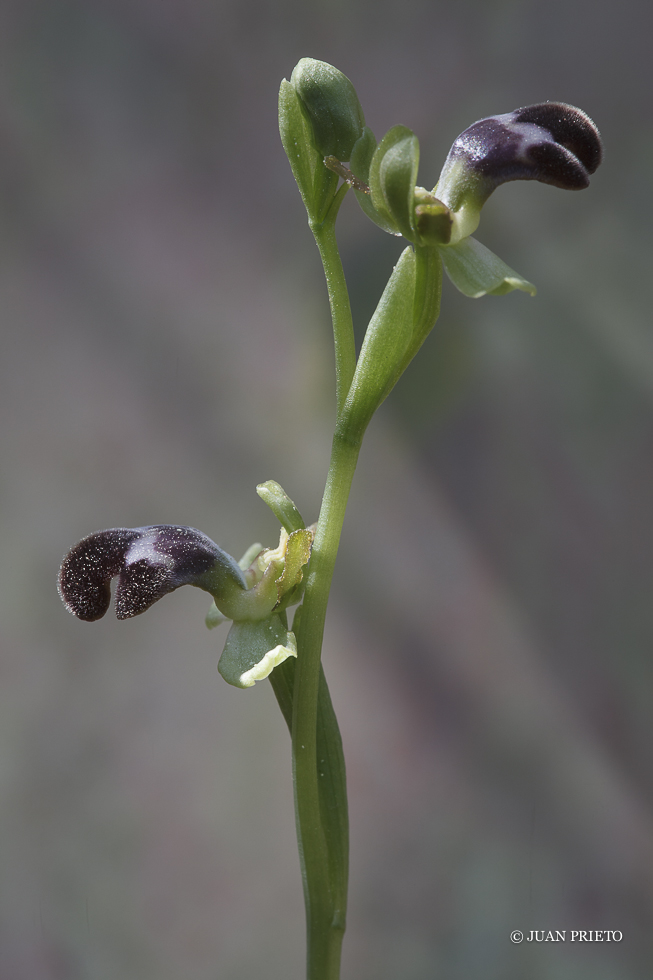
pixel 332 785
pixel 322 836
pixel 343 329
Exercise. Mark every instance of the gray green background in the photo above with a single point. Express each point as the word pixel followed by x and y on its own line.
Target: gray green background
pixel 165 347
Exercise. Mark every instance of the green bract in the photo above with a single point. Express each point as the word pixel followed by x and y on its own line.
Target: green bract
pixel 386 341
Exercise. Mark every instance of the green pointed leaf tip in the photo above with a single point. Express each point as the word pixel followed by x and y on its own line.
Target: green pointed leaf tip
pixel 330 103
pixel 476 271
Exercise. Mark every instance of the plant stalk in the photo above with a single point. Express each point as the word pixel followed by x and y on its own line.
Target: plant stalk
pixel 343 328
pixel 321 825
pixel 318 761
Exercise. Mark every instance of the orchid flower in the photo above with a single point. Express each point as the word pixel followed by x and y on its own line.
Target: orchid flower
pixel 151 562
pixel 551 142
pixel 320 117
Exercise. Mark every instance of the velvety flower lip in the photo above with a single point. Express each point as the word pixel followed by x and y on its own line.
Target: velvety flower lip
pixel 149 561
pixel 551 142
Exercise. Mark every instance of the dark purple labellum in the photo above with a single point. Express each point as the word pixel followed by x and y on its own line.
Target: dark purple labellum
pixel 550 142
pixel 150 562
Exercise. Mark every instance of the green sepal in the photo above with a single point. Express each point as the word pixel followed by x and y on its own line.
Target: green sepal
pixel 331 105
pixel 254 649
pixel 214 617
pixel 249 556
pixel 475 270
pixel 281 505
pixel 361 159
pixel 393 174
pixel 296 136
pixel 387 338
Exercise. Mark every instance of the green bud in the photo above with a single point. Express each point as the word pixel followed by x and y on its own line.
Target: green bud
pixel 330 103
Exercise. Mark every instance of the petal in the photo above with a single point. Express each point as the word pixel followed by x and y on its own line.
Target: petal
pixel 393 175
pixel 570 127
pixel 150 562
pixel 551 142
pixel 87 570
pixel 283 508
pixel 475 270
pixel 361 161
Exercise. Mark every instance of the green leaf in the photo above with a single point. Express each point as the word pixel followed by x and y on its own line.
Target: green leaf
pixel 475 270
pixel 393 175
pixel 254 649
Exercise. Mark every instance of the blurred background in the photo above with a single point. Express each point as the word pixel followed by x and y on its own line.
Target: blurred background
pixel 166 346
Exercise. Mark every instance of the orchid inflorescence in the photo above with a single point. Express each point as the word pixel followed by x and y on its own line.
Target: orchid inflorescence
pixel 323 129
